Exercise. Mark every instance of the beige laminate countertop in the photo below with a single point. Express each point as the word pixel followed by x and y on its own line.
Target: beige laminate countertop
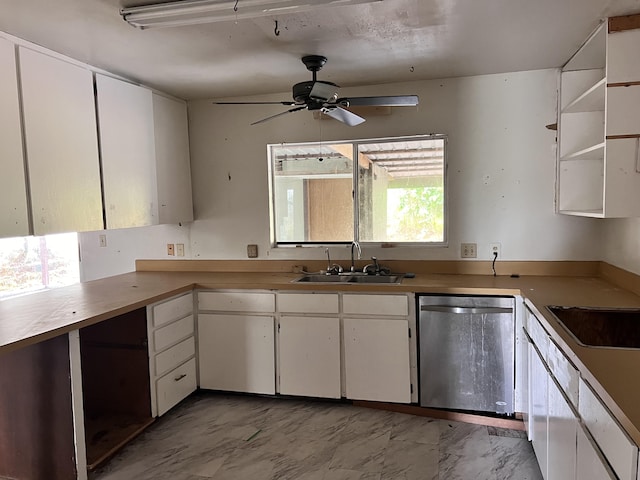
pixel 613 373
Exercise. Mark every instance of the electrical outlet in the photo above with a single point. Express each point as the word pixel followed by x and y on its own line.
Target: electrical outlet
pixel 180 249
pixel 468 250
pixel 495 248
pixel 170 249
pixel 252 251
pixel 103 240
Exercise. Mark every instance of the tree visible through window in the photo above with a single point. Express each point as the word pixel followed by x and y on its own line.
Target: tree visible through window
pixel 377 191
pixel 29 264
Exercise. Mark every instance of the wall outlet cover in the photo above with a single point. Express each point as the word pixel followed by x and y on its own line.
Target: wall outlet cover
pixel 252 251
pixel 180 249
pixel 468 250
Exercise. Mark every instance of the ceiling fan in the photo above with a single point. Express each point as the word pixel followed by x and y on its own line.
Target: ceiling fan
pixel 323 96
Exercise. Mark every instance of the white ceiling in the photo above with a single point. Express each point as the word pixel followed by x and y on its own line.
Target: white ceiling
pixel 389 41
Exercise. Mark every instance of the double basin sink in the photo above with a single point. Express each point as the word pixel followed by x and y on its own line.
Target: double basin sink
pixel 600 327
pixel 350 278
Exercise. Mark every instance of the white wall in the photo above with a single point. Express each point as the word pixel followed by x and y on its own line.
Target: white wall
pixel 622 243
pixel 501 168
pixel 125 246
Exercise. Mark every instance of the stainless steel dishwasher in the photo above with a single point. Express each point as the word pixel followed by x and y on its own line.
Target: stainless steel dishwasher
pixel 467 353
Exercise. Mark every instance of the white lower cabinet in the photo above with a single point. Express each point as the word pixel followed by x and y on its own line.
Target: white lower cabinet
pixel 590 464
pixel 309 356
pixel 539 406
pixel 172 352
pixel 574 435
pixel 562 431
pixel 620 451
pixel 376 356
pixel 236 352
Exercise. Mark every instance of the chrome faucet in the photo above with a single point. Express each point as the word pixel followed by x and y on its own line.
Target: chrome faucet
pixel 375 265
pixel 332 269
pixel 357 245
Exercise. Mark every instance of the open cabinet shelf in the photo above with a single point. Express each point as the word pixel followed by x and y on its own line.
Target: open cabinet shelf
pixel 592 100
pixel 597 171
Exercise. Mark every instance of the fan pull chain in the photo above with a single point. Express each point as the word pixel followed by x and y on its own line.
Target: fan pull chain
pixel 235 7
pixel 275 30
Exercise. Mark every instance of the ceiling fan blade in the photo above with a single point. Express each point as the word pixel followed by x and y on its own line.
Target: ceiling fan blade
pixel 323 91
pixel 393 101
pixel 279 114
pixel 289 103
pixel 344 116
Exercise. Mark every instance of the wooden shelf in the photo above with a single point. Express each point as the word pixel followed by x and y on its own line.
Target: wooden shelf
pixel 594 152
pixel 583 213
pixel 106 434
pixel 591 100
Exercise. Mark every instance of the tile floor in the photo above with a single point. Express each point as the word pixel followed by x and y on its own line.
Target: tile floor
pixel 228 437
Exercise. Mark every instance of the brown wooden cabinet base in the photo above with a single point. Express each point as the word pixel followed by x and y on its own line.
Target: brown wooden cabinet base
pixel 36 418
pixel 115 384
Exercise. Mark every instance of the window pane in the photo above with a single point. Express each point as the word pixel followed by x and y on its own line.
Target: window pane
pixel 312 188
pixel 30 264
pixel 401 191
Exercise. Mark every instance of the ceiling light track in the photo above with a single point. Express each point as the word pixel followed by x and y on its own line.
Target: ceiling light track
pixel 193 12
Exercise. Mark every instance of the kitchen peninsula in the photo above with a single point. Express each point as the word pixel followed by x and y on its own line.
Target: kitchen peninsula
pixel 41 332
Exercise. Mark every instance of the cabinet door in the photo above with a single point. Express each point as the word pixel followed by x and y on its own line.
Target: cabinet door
pixel 563 425
pixel 61 144
pixel 125 113
pixel 538 388
pixel 618 448
pixel 173 171
pixel 236 353
pixel 376 355
pixel 309 353
pixel 14 219
pixel 590 463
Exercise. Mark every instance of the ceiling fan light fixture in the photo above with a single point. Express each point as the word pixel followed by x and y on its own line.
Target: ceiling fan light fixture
pixel 193 12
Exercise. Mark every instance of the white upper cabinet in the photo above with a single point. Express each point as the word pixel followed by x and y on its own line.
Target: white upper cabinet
pixel 173 168
pixel 599 126
pixel 61 144
pixel 145 156
pixel 125 115
pixel 14 218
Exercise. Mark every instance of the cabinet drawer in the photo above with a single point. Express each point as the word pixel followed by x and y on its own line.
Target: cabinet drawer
pixel 165 336
pixel 376 304
pixel 176 385
pixel 538 335
pixel 236 301
pixel 308 302
pixel 172 310
pixel 175 355
pixel 564 372
pixel 619 450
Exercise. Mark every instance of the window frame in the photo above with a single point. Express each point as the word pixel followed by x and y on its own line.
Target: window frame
pixel 355 193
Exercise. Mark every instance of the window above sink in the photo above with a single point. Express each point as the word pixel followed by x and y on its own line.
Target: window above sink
pixel 376 191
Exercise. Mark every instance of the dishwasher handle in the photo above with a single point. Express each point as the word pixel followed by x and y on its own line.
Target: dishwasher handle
pixel 463 310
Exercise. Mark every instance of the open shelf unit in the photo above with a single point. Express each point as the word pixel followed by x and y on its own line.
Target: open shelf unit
pixel 598 167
